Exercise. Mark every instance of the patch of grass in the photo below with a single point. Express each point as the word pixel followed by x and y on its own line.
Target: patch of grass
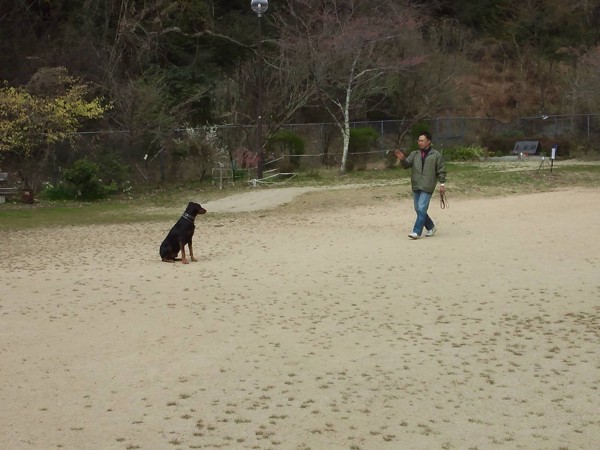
pixel 497 179
pixel 465 179
pixel 332 177
pixel 69 214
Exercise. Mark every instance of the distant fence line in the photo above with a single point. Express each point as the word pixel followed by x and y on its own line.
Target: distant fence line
pixel 445 130
pixel 468 130
pixel 323 142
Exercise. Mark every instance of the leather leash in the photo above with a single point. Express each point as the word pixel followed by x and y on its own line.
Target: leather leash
pixel 444 201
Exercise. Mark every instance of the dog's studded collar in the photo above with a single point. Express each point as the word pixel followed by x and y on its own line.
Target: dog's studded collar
pixel 188 217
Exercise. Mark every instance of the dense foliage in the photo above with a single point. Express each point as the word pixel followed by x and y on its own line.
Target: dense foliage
pixel 165 62
pixel 35 117
pixel 164 65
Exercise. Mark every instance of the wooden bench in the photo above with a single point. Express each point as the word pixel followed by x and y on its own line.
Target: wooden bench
pixel 6 191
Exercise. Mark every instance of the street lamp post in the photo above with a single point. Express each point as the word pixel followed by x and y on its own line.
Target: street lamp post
pixel 259 7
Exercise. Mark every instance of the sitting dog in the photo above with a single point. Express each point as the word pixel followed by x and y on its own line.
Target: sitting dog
pixel 181 234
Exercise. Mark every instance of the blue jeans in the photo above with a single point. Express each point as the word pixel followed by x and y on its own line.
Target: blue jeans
pixel 421 206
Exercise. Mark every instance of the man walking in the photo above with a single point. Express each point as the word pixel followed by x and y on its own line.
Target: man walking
pixel 428 167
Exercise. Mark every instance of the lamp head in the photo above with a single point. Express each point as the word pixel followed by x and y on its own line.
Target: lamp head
pixel 259 6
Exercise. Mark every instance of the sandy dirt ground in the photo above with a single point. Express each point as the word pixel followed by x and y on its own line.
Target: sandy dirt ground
pixel 309 329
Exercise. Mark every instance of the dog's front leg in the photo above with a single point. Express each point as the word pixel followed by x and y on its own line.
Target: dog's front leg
pixel 192 252
pixel 183 258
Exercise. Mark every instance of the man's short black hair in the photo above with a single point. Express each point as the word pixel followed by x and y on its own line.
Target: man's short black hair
pixel 427 134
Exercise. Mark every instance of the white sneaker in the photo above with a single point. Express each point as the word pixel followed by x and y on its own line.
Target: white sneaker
pixel 414 235
pixel 431 232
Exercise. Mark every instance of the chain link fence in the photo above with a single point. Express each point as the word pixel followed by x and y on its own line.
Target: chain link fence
pixel 187 154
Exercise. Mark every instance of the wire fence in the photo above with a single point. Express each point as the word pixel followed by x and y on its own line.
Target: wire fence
pixel 177 158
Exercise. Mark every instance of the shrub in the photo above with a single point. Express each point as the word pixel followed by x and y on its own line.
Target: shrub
pixel 362 140
pixel 290 145
pixel 62 191
pixel 80 182
pixel 499 145
pixel 84 177
pixel 111 170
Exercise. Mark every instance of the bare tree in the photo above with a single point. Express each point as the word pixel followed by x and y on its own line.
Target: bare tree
pixel 287 86
pixel 586 84
pixel 429 88
pixel 350 46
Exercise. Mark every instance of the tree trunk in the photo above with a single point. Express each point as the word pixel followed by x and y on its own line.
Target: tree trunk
pixel 346 126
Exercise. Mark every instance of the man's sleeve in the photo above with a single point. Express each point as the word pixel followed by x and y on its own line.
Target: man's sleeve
pixel 408 162
pixel 441 169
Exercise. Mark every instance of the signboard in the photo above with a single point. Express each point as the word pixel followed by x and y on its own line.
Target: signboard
pixel 553 153
pixel 527 147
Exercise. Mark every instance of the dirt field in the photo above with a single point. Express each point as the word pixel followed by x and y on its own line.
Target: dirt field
pixel 309 326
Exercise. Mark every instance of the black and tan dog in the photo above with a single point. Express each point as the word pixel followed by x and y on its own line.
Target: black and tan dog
pixel 181 234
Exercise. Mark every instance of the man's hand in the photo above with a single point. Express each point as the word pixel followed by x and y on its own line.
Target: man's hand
pixel 399 155
pixel 442 188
